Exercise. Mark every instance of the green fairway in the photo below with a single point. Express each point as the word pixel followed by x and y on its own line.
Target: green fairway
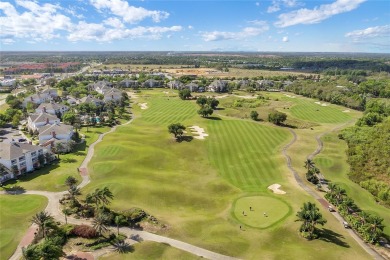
pixel 166 110
pixel 191 186
pixel 332 162
pixel 15 215
pixel 247 154
pixel 151 250
pixel 260 211
pixel 307 109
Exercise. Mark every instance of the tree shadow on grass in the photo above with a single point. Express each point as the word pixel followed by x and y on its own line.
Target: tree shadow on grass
pixel 330 236
pixel 213 118
pixel 185 138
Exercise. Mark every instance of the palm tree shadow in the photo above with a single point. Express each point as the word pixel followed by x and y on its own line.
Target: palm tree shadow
pixel 330 236
pixel 185 138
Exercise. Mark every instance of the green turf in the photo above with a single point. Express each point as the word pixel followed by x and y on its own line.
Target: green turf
pixel 169 110
pixel 307 109
pixel 181 184
pixel 52 177
pixel 15 215
pixel 247 154
pixel 151 250
pixel 260 211
pixel 337 171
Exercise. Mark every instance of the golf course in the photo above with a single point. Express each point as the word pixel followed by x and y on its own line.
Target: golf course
pixel 213 192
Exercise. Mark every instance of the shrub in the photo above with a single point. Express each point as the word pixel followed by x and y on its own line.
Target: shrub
pixel 84 231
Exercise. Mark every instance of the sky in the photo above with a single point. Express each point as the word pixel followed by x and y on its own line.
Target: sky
pixel 202 25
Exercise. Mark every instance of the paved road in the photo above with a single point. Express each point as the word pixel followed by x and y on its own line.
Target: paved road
pixel 311 192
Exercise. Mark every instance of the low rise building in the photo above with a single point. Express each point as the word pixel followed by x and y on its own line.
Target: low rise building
pixel 35 121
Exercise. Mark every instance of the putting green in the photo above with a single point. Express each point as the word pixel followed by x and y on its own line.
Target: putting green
pixel 275 211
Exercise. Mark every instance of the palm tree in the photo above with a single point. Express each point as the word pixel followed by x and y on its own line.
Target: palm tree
pixel 41 218
pixel 348 206
pixel 339 195
pixel 67 213
pixel 310 216
pixel 118 221
pixel 374 228
pixel 309 163
pixel 106 195
pixel 99 224
pixel 70 181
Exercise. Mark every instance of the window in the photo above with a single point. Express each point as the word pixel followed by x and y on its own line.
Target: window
pixel 22 158
pixel 40 151
pixel 33 154
pixel 23 165
pixel 13 161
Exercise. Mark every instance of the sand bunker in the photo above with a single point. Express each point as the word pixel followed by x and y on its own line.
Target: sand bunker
pixel 276 188
pixel 346 111
pixel 143 105
pixel 290 96
pixel 198 131
pixel 321 104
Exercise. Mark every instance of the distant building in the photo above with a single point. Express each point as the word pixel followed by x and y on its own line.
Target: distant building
pixel 218 86
pixel 55 131
pixel 152 83
pixel 51 108
pixel 91 99
pixel 128 83
pixel 35 121
pixel 175 84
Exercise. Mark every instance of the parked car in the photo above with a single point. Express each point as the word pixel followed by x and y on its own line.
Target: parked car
pixel 331 209
pixel 22 140
pixel 345 224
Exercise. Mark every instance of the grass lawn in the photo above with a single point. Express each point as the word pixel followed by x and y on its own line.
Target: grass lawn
pixel 52 177
pixel 151 250
pixel 189 186
pixel 260 211
pixel 332 163
pixel 15 214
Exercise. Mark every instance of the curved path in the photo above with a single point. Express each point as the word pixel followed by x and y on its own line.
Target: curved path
pixel 311 192
pixel 134 236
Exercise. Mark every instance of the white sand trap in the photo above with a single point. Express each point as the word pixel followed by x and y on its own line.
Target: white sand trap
pixel 198 131
pixel 324 105
pixel 276 188
pixel 346 111
pixel 318 103
pixel 143 105
pixel 166 92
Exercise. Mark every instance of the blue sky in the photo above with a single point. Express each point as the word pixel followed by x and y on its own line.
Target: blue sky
pixel 220 25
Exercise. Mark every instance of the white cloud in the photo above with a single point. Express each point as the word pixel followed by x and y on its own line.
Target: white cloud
pixel 98 32
pixel 371 32
pixel 40 22
pixel 128 13
pixel 190 27
pixel 285 39
pixel 257 4
pixel 261 26
pixel 114 22
pixel 7 41
pixel 278 4
pixel 318 14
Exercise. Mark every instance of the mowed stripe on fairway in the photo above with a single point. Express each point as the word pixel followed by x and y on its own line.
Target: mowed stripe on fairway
pixel 169 110
pixel 246 153
pixel 309 110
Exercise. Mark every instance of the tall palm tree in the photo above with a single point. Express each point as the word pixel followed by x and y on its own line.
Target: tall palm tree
pixel 67 213
pixel 73 192
pixel 122 247
pixel 310 216
pixel 99 224
pixel 339 194
pixel 374 228
pixel 309 163
pixel 118 221
pixel 41 219
pixel 106 195
pixel 348 206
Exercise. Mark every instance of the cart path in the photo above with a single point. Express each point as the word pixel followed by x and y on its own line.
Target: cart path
pixel 53 208
pixel 314 194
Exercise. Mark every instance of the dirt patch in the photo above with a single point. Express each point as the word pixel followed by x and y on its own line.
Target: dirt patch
pixel 198 131
pixel 276 189
pixel 321 104
pixel 143 105
pixel 347 111
pixel 132 94
pixel 80 256
pixel 193 71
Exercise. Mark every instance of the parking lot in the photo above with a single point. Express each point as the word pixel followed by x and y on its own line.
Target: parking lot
pixel 9 134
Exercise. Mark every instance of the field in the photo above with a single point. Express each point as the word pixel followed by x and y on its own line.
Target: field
pixel 15 215
pixel 332 162
pixel 180 182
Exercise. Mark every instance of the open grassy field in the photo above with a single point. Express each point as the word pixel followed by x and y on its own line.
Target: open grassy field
pixel 52 177
pixel 332 162
pixel 186 187
pixel 15 215
pixel 151 250
pixel 251 163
